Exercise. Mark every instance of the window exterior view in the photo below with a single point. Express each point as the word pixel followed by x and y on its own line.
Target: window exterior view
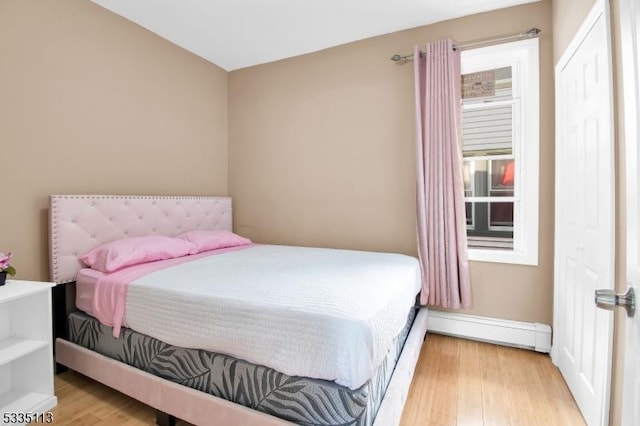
pixel 489 163
pixel 500 147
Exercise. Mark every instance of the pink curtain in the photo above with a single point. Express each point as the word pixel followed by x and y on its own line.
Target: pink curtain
pixel 442 237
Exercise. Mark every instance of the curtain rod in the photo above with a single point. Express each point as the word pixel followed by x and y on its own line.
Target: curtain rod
pixel 533 32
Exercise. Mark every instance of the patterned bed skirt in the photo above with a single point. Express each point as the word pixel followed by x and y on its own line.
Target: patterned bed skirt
pixel 300 400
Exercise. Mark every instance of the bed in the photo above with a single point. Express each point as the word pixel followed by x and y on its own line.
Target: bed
pixel 246 361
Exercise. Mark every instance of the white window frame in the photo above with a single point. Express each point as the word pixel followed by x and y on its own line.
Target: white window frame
pixel 523 57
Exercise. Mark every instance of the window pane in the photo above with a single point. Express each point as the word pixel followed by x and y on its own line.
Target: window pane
pixel 501 216
pixel 487 130
pixel 487 86
pixel 502 177
pixel 493 219
pixel 467 176
pixel 488 178
pixel 477 178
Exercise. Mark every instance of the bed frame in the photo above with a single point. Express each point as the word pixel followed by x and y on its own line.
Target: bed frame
pixel 79 223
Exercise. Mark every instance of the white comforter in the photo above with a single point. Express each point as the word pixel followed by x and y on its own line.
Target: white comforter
pixel 321 313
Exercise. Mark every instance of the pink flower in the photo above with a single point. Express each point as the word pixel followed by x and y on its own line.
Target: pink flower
pixel 4 261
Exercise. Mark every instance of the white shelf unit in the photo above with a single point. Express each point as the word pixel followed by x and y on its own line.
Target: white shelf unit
pixel 26 352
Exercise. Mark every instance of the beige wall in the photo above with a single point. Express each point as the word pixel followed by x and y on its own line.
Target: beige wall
pixel 321 152
pixel 90 103
pixel 568 15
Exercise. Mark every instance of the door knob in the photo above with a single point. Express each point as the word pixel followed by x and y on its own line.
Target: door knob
pixel 608 299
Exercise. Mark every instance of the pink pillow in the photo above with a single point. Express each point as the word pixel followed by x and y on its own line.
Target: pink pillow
pixel 211 240
pixel 135 250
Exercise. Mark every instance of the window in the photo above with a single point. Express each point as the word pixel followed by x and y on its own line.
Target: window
pixel 500 132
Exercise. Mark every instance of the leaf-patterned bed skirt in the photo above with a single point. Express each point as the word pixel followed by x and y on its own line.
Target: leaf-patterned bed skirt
pixel 301 400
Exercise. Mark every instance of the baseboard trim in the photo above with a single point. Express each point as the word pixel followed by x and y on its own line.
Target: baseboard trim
pixel 527 335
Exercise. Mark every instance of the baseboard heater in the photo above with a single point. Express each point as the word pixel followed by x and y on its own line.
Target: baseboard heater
pixel 534 336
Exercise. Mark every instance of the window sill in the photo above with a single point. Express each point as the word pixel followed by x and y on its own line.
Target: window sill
pixel 502 256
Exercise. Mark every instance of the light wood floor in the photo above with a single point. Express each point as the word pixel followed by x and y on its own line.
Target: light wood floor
pixel 462 382
pixel 457 382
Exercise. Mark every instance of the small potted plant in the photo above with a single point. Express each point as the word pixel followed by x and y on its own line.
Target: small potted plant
pixel 5 268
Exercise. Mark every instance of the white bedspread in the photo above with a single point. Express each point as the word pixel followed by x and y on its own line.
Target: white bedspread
pixel 321 313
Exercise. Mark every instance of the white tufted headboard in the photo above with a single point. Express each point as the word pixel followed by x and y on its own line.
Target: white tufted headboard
pixel 78 223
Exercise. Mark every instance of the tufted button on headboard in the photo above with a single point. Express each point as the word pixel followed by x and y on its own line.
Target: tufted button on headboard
pixel 78 223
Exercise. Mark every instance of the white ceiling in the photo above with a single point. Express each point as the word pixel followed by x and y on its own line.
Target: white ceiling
pixel 240 33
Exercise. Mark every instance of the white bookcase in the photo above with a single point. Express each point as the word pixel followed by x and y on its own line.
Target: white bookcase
pixel 26 353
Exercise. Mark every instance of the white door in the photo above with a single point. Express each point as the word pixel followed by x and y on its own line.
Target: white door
pixel 584 217
pixel 630 40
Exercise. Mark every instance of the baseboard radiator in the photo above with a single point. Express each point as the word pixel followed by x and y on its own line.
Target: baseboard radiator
pixel 534 336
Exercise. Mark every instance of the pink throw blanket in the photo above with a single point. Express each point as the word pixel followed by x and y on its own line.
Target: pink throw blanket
pixel 109 301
